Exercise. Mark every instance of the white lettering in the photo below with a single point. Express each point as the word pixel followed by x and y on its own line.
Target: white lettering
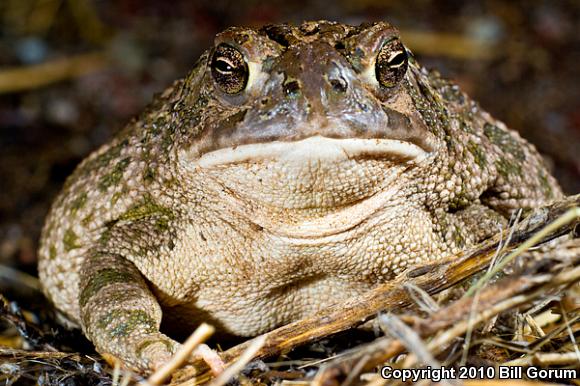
pixel 536 373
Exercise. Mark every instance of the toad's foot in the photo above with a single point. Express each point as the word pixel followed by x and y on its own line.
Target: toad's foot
pixel 211 358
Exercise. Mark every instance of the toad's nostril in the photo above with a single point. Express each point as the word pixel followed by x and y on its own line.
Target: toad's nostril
pixel 292 87
pixel 338 84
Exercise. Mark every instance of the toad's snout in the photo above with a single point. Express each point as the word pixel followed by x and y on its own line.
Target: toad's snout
pixel 313 90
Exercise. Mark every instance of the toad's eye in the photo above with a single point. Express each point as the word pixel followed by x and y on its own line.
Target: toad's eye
pixel 229 69
pixel 391 63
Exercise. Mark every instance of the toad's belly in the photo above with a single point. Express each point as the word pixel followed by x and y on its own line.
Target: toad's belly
pixel 257 282
pixel 250 313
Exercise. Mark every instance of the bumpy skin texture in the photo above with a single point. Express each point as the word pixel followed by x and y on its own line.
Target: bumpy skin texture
pixel 251 210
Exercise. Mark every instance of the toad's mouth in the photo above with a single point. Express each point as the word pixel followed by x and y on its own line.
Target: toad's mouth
pixel 313 148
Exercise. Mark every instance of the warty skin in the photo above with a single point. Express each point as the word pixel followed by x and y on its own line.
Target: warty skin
pixel 293 168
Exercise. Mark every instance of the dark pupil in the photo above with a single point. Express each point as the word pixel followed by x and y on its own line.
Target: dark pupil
pixel 398 60
pixel 223 66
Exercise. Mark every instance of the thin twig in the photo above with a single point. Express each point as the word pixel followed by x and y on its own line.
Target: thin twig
pixel 200 335
pixel 239 365
pixel 451 45
pixel 410 339
pixel 10 274
pixel 40 75
pixel 545 359
pixel 116 373
pixel 421 298
pixel 570 333
pixel 571 215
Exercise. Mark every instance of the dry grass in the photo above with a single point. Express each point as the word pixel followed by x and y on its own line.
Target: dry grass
pixel 514 300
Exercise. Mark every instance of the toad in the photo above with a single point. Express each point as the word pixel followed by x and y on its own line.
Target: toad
pixel 294 167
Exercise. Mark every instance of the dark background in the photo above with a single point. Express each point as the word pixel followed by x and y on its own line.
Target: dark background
pixel 73 72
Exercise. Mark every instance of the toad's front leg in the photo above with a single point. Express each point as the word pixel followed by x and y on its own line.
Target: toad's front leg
pixel 120 315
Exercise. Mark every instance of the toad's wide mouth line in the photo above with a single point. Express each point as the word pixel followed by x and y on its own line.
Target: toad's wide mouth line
pixel 316 147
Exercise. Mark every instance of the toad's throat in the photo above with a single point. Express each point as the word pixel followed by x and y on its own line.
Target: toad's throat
pixel 335 223
pixel 275 187
pixel 312 148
